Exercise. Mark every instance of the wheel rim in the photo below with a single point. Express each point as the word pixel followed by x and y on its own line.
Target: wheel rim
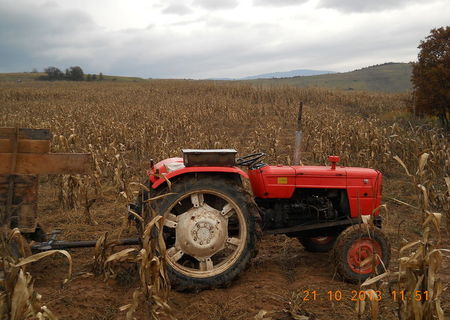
pixel 359 254
pixel 205 232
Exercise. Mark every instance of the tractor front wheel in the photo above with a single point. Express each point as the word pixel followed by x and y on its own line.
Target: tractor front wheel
pixel 210 231
pixel 361 251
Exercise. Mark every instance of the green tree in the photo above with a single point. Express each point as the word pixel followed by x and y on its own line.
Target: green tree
pixel 100 76
pixel 94 77
pixel 76 73
pixel 88 77
pixel 54 73
pixel 431 76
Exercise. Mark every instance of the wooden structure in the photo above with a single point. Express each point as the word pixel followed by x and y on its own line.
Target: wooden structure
pixel 24 154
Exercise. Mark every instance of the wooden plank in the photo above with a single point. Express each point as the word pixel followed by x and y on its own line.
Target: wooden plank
pixel 6 218
pixel 25 146
pixel 23 206
pixel 20 194
pixel 26 133
pixel 50 163
pixel 19 180
pixel 27 217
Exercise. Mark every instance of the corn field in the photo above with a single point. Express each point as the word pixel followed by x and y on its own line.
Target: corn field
pixel 124 125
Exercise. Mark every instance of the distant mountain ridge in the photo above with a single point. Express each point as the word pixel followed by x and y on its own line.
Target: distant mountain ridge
pixel 288 74
pixel 386 77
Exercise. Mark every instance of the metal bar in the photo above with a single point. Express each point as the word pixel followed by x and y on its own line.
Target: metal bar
pixel 298 137
pixel 314 226
pixel 59 245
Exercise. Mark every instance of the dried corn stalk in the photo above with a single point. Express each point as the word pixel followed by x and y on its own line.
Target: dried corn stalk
pixel 18 300
pixel 418 283
pixel 154 286
pixel 102 251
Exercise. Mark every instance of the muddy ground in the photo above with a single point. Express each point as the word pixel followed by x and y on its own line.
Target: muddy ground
pixel 280 280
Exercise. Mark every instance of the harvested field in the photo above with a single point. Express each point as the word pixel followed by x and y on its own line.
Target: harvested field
pixel 124 125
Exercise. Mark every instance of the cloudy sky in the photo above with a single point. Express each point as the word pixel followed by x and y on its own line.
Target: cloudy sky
pixel 212 38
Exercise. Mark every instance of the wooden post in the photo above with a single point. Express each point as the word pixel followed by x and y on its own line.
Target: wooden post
pixel 24 154
pixel 298 137
pixel 9 200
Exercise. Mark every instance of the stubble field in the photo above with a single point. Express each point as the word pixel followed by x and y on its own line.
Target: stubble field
pixel 124 125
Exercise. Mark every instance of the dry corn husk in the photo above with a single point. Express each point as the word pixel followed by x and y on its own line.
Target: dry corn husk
pixel 419 263
pixel 18 300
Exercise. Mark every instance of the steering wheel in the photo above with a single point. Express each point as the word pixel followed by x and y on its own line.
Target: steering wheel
pixel 250 159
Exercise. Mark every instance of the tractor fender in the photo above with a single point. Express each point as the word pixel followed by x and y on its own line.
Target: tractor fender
pixel 187 170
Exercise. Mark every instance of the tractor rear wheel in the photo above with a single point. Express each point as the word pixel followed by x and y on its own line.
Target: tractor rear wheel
pixel 210 231
pixel 361 251
pixel 318 244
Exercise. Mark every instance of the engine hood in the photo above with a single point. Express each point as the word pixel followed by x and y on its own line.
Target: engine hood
pixel 350 172
pixel 320 171
pixel 353 172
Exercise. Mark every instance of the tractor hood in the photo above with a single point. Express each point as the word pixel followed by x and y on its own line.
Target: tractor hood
pixel 350 172
pixel 354 172
pixel 281 181
pixel 320 171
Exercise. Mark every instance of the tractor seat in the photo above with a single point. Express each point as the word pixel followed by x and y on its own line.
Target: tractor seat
pixel 173 166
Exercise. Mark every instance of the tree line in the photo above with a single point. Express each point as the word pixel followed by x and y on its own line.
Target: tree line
pixel 431 77
pixel 71 74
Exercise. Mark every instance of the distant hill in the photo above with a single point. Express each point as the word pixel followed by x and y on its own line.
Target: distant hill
pixel 20 76
pixel 279 75
pixel 288 74
pixel 387 77
pixel 33 76
pixel 220 79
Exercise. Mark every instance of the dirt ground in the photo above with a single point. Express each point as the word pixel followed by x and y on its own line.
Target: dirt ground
pixel 283 279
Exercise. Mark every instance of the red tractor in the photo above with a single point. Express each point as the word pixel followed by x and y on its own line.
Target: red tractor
pixel 212 223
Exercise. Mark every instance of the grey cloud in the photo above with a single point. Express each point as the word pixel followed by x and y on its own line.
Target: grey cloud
pixel 216 4
pixel 49 4
pixel 366 5
pixel 33 37
pixel 279 3
pixel 177 8
pixel 29 33
pixel 213 21
pixel 184 23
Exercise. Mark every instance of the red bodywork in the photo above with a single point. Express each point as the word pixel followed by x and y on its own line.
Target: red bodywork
pixel 363 185
pixel 161 168
pixel 279 182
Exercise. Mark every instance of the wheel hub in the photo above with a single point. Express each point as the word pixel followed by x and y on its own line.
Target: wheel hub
pixel 201 231
pixel 359 251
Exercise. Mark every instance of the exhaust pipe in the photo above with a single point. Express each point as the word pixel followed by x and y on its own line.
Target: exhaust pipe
pixel 298 137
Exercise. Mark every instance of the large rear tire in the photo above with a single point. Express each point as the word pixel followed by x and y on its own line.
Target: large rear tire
pixel 210 232
pixel 361 251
